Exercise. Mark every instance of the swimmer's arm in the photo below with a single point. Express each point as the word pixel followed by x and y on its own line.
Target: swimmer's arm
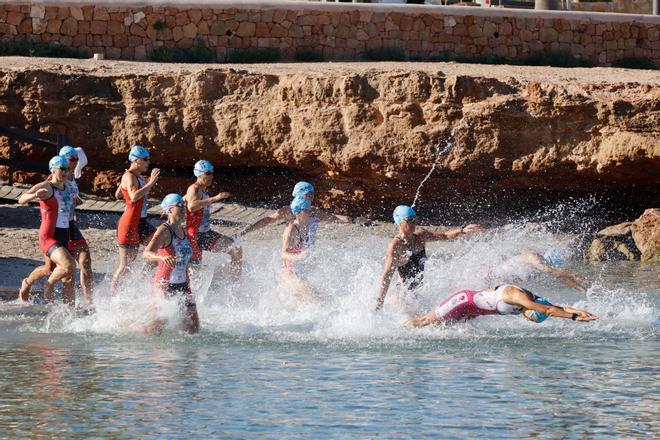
pixel 286 244
pixel 329 217
pixel 160 239
pixel 118 191
pixel 388 272
pixel 517 297
pixel 135 193
pixel 194 203
pixel 40 191
pixel 570 279
pixel 449 235
pixel 283 213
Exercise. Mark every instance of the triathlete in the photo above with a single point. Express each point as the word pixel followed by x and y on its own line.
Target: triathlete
pixel 198 220
pixel 503 300
pixel 406 253
pixel 304 190
pixel 133 227
pixel 55 206
pixel 77 244
pixel 171 250
pixel 299 236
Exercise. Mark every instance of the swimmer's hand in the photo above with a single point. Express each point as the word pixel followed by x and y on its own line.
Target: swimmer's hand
pixel 220 196
pixel 170 261
pixel 471 228
pixel 155 173
pixel 582 315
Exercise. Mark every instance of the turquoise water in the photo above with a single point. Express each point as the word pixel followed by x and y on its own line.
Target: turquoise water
pixel 267 366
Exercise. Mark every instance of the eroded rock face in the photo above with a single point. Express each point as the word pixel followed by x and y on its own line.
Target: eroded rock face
pixel 646 232
pixel 365 138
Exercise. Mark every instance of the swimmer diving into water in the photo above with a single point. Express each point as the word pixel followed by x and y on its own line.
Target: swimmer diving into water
pixel 406 253
pixel 503 300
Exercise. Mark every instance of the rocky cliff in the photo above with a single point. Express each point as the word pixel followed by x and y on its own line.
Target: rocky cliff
pixel 366 134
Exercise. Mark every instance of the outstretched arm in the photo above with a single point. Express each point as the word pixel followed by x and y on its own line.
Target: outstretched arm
pixel 517 297
pixel 282 214
pixel 449 235
pixel 571 279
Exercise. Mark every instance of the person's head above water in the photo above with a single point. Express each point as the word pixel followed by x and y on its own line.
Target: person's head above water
pixel 173 201
pixel 303 189
pixel 300 204
pixel 203 167
pixel 69 153
pixel 404 213
pixel 58 164
pixel 554 257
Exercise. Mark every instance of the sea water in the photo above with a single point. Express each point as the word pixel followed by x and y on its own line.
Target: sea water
pixel 266 365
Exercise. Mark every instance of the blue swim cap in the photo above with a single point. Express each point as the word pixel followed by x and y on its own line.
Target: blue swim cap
pixel 138 152
pixel 538 317
pixel 403 212
pixel 554 256
pixel 302 188
pixel 202 167
pixel 300 204
pixel 169 201
pixel 68 152
pixel 58 162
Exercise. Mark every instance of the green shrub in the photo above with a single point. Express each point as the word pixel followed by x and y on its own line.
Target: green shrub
pixel 556 59
pixel 159 25
pixel 308 56
pixel 384 54
pixel 256 55
pixel 635 63
pixel 30 48
pixel 199 53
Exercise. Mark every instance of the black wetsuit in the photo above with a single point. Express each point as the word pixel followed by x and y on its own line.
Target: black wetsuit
pixel 412 273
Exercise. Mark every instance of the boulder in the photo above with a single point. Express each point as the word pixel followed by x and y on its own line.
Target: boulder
pixel 646 233
pixel 620 230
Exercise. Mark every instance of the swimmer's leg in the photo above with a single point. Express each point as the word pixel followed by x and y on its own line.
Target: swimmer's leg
pixel 127 255
pixel 298 287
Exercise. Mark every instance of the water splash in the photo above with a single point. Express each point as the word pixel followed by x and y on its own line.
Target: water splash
pixel 440 152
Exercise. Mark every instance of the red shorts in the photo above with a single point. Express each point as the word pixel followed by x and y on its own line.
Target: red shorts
pixel 205 241
pixel 48 245
pixel 130 236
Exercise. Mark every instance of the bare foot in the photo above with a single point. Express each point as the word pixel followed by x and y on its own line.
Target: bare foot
pixel 24 292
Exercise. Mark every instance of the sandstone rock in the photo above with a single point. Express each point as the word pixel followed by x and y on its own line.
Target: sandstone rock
pixel 77 13
pixel 646 233
pixel 38 12
pixel 607 249
pixel 620 230
pixel 138 17
pixel 69 27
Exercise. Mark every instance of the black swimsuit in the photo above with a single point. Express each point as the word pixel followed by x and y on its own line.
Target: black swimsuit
pixel 412 273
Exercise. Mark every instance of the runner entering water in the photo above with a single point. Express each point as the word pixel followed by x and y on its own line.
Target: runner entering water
pixel 133 227
pixel 300 190
pixel 406 253
pixel 77 245
pixel 171 249
pixel 55 206
pixel 198 220
pixel 298 239
pixel 503 300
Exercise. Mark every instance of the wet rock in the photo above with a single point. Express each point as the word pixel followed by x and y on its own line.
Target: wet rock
pixel 646 233
pixel 608 249
pixel 620 230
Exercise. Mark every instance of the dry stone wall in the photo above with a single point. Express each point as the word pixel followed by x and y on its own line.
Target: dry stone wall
pixel 616 6
pixel 336 32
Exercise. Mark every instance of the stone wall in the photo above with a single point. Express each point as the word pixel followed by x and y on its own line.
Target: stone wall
pixel 338 32
pixel 616 6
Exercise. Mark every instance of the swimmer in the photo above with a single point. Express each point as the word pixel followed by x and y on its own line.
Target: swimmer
pixel 133 227
pixel 55 206
pixel 407 252
pixel 298 238
pixel 198 220
pixel 523 267
pixel 304 190
pixel 77 245
pixel 503 300
pixel 171 250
